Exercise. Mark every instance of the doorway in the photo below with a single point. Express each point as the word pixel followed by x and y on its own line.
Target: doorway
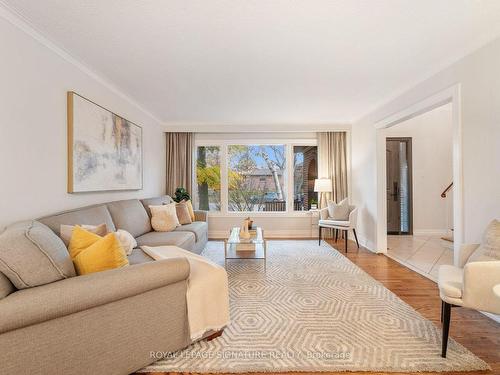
pixel 399 192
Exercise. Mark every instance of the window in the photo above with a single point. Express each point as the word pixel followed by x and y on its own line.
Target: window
pixel 208 178
pixel 256 178
pixel 305 171
pixel 238 177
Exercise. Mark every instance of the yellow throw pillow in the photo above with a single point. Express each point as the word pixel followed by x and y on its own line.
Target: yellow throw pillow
pixel 189 205
pixel 92 253
pixel 164 217
pixel 80 240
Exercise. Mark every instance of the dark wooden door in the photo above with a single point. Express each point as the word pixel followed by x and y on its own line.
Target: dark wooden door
pixel 398 171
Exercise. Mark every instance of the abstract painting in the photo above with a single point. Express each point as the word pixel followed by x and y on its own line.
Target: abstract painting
pixel 104 149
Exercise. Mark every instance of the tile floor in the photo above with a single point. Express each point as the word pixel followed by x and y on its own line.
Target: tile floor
pixel 423 254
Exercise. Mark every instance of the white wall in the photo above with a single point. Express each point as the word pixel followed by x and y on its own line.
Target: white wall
pixel 432 163
pixel 478 75
pixel 34 81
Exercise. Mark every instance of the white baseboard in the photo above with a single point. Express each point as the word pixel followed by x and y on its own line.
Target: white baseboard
pixel 494 317
pixel 364 242
pixel 302 233
pixel 430 232
pixel 269 234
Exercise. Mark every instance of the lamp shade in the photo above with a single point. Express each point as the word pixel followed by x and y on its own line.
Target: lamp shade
pixel 322 185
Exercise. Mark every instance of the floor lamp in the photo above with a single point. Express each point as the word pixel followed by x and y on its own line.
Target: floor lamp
pixel 322 185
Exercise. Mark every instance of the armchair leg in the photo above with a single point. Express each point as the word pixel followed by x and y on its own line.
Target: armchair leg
pixel 319 235
pixel 356 237
pixel 446 327
pixel 442 311
pixel 345 233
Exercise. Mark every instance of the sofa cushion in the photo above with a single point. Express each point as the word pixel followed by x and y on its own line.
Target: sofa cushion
pixel 337 223
pixel 185 240
pixel 138 256
pixel 198 228
pixel 6 286
pixel 157 201
pixel 31 255
pixel 131 216
pixel 94 215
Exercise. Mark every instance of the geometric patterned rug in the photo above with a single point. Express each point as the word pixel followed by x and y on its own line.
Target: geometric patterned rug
pixel 314 310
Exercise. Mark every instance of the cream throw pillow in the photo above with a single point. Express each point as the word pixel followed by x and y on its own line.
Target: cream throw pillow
pixel 338 211
pixel 490 247
pixel 127 241
pixel 67 230
pixel 164 217
pixel 183 213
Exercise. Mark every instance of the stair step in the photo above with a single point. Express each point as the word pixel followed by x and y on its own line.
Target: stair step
pixel 448 238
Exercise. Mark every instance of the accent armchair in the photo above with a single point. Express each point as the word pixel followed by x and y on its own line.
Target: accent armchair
pixel 339 225
pixel 468 285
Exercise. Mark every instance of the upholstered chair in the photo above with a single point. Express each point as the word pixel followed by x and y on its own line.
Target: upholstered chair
pixel 471 283
pixel 343 226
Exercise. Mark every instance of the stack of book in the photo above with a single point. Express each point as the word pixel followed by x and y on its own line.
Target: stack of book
pixel 245 246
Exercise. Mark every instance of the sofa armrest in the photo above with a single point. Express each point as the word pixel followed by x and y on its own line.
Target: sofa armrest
pixel 479 280
pixel 200 215
pixel 35 305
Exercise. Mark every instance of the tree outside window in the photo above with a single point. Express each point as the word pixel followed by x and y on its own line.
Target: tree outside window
pixel 208 178
pixel 256 177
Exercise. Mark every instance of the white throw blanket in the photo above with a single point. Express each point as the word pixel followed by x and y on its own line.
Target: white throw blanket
pixel 207 292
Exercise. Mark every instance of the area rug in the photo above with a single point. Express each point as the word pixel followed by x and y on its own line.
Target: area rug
pixel 312 309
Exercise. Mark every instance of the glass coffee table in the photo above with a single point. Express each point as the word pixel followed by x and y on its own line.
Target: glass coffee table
pixel 238 248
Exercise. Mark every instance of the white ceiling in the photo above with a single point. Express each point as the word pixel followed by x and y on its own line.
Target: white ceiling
pixel 263 61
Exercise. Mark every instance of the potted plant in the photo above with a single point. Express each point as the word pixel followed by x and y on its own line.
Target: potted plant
pixel 180 195
pixel 314 204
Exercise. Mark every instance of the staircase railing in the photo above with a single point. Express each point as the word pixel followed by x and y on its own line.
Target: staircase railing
pixel 443 194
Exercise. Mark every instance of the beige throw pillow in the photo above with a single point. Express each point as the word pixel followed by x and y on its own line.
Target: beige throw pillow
pixel 67 230
pixel 164 217
pixel 490 247
pixel 127 241
pixel 183 213
pixel 189 205
pixel 338 211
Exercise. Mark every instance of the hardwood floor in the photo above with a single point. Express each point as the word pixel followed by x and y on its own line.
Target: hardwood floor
pixel 476 332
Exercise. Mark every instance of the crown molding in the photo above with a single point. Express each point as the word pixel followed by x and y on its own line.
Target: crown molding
pixel 210 127
pixel 16 19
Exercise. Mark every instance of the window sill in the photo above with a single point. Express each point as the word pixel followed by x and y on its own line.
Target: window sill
pixel 262 214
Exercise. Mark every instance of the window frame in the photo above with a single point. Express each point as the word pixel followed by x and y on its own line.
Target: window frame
pixel 224 160
pixel 292 174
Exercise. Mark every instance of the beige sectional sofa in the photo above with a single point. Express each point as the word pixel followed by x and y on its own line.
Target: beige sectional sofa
pixel 105 322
